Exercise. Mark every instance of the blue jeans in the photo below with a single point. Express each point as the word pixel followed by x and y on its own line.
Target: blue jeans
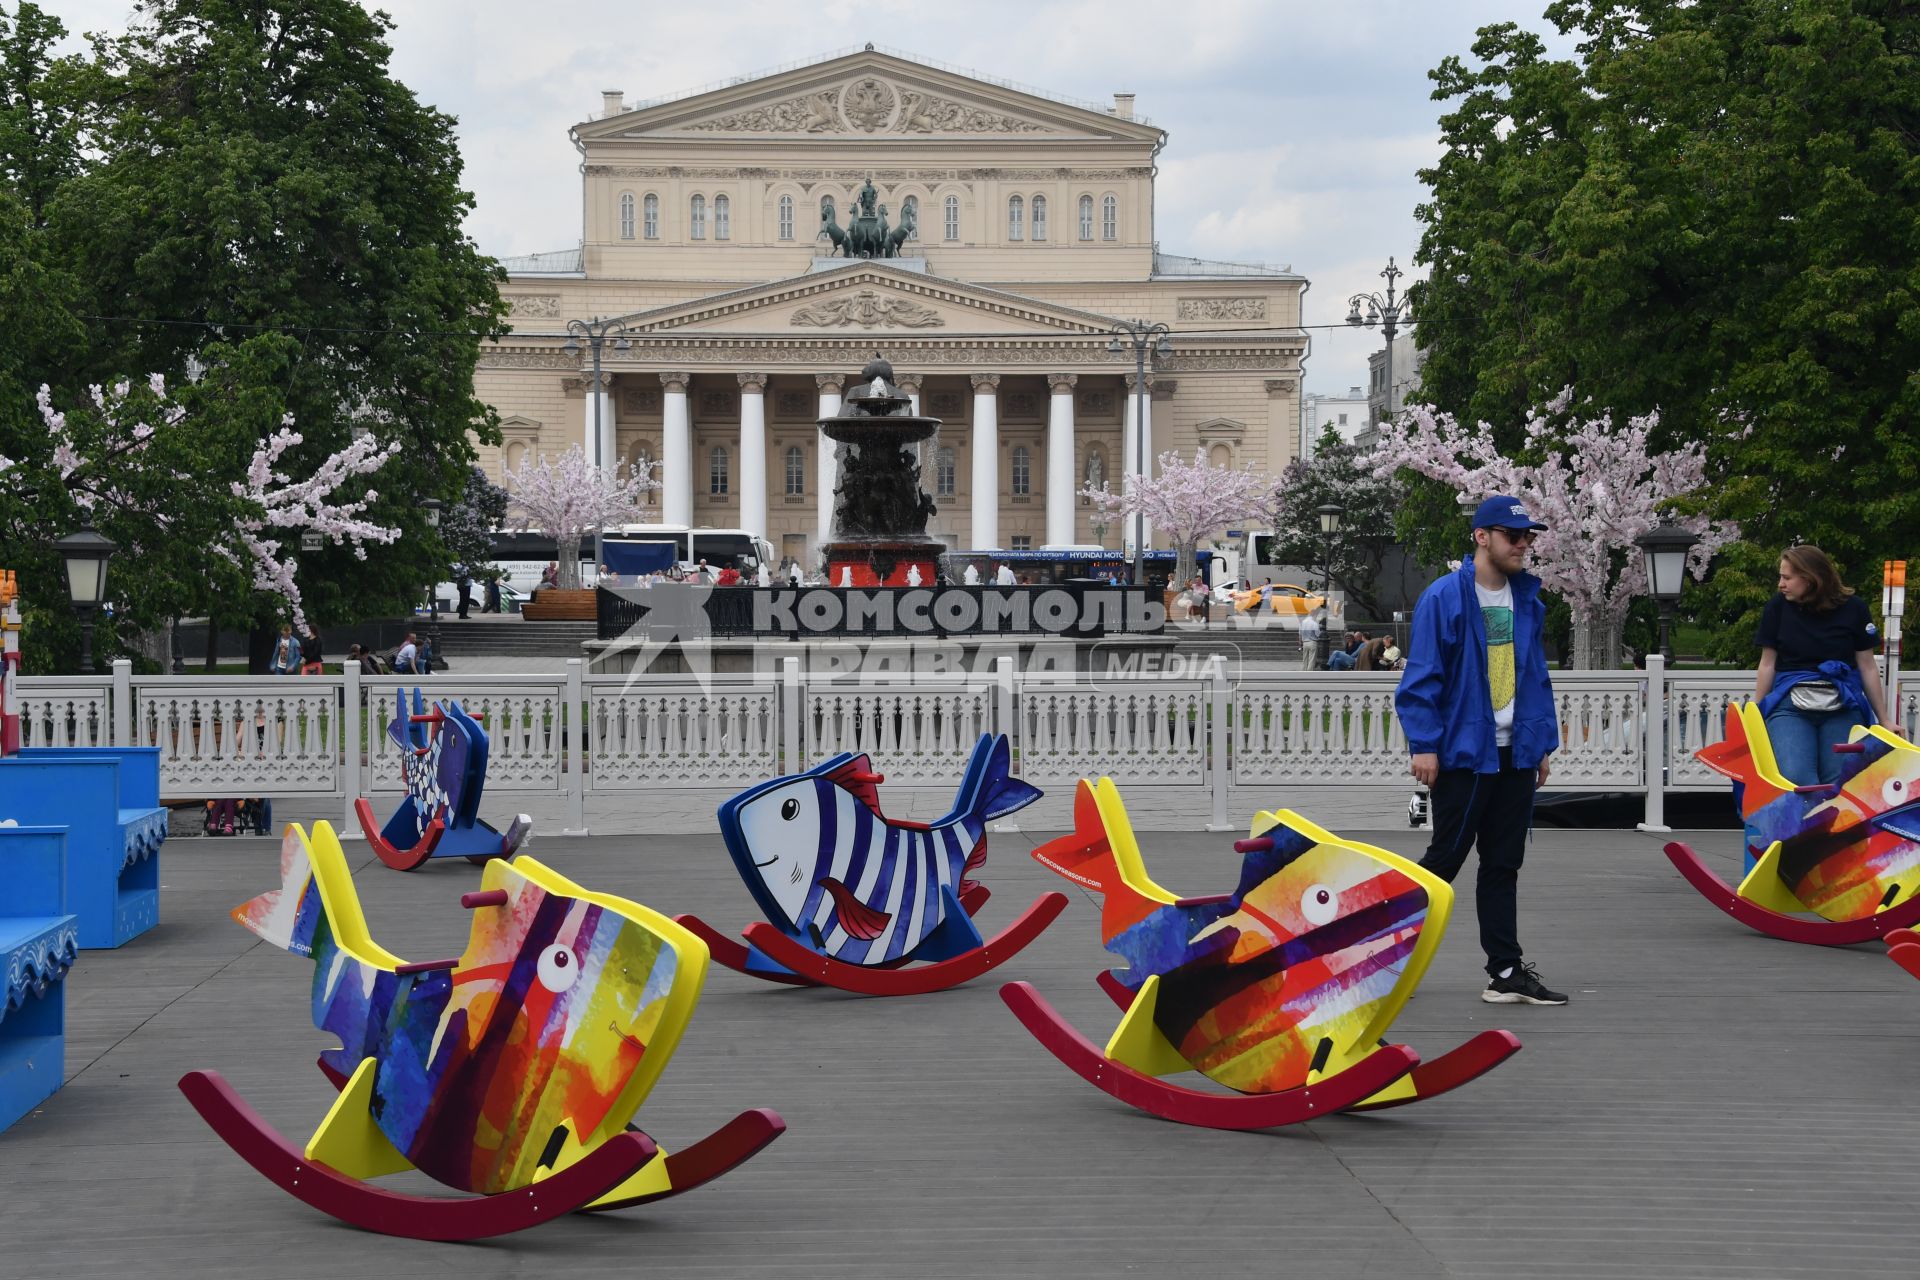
pixel 1803 745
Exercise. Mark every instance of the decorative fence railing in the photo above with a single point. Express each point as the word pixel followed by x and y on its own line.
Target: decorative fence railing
pixel 572 738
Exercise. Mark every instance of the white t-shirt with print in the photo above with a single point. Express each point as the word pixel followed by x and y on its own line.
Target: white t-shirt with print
pixel 1496 613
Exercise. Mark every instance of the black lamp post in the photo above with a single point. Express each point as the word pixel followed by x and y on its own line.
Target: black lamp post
pixel 85 554
pixel 1388 312
pixel 596 332
pixel 433 507
pixel 1330 513
pixel 1144 339
pixel 1666 548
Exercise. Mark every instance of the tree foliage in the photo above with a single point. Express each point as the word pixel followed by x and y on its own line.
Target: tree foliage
pixel 1188 500
pixel 568 497
pixel 1714 208
pixel 1336 472
pixel 467 528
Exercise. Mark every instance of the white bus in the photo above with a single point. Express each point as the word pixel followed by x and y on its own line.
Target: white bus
pixel 634 549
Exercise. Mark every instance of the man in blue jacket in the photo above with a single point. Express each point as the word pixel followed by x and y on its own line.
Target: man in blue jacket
pixel 1478 712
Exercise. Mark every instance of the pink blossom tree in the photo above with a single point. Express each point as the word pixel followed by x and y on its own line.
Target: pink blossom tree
pixel 1596 485
pixel 1187 499
pixel 569 497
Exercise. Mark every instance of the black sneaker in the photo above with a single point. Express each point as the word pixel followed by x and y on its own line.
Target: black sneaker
pixel 1522 985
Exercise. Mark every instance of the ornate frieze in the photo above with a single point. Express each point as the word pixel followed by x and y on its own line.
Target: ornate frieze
pixel 946 404
pixel 1022 404
pixel 809 113
pixel 719 403
pixel 1280 386
pixel 793 404
pixel 1223 309
pixel 639 401
pixel 868 307
pixel 1096 403
pixel 527 358
pixel 540 306
pixel 867 104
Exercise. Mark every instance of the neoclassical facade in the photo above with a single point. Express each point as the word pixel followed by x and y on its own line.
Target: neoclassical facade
pixel 1032 234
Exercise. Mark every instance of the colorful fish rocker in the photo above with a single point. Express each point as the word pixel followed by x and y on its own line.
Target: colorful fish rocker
pixel 510 1073
pixel 443 761
pixel 854 897
pixel 1846 852
pixel 1280 990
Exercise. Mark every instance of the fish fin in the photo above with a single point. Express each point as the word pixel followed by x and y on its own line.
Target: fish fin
pixel 857 918
pixel 349 1141
pixel 1138 1041
pixel 975 860
pixel 517 833
pixel 286 916
pixel 1100 854
pixel 996 792
pixel 955 935
pixel 856 775
pixel 1746 756
pixel 1905 823
pixel 1763 886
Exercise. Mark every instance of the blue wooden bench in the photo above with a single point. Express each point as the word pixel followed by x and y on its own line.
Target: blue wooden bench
pixel 38 944
pixel 108 798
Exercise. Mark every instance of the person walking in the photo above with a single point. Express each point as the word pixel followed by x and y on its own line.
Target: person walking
pixel 312 663
pixel 462 584
pixel 286 653
pixel 1310 640
pixel 492 595
pixel 1817 676
pixel 1477 706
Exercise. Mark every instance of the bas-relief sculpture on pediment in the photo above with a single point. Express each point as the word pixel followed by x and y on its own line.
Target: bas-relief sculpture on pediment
pixel 867 307
pixel 868 104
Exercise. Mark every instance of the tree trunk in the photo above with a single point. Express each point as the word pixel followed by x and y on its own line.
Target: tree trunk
pixel 213 646
pixel 1183 564
pixel 1596 639
pixel 569 576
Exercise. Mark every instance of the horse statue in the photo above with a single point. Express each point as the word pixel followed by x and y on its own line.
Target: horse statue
pixel 865 238
pixel 909 223
pixel 831 229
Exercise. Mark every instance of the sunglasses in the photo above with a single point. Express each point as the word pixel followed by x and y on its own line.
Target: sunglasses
pixel 1517 535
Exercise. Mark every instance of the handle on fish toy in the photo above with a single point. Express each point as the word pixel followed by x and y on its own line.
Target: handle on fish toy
pixel 1849 748
pixel 1259 844
pixel 484 898
pixel 431 717
pixel 865 775
pixel 427 966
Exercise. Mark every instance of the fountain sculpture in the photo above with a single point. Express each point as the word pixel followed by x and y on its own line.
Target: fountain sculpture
pixel 880 512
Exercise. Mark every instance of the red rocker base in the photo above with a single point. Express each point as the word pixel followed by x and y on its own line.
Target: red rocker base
pixel 811 969
pixel 372 1208
pixel 1192 1106
pixel 1903 948
pixel 398 859
pixel 1822 933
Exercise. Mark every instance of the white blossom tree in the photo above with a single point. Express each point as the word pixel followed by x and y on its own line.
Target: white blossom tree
pixel 1187 499
pixel 569 497
pixel 1596 486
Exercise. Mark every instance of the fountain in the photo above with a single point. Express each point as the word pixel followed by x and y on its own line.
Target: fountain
pixel 880 512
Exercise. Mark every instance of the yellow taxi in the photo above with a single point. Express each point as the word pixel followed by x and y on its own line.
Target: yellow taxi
pixel 1284 598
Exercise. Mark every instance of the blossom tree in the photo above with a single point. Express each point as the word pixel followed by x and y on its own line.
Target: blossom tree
pixel 1188 499
pixel 1595 485
pixel 569 497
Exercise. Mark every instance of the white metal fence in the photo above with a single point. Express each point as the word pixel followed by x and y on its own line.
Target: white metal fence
pixel 620 741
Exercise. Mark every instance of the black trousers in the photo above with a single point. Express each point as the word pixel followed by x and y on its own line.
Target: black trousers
pixel 1494 810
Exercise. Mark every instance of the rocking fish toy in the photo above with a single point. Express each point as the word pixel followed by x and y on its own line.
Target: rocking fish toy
pixel 510 1073
pixel 1847 852
pixel 1280 990
pixel 853 896
pixel 443 760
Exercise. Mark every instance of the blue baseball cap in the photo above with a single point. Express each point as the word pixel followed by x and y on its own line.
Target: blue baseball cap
pixel 1504 512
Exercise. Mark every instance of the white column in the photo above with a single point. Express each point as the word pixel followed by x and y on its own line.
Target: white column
pixel 1130 457
pixel 1060 474
pixel 986 460
pixel 676 451
pixel 910 383
pixel 601 451
pixel 829 468
pixel 753 453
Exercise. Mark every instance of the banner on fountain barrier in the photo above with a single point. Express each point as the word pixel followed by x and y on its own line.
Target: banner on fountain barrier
pixel 1073 611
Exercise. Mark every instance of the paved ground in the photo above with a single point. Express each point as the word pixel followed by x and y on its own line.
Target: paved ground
pixel 1713 1103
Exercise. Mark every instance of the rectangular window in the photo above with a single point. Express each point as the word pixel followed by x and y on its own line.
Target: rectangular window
pixel 786 217
pixel 953 217
pixel 1109 218
pixel 1020 542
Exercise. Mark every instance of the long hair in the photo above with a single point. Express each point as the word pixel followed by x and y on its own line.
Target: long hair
pixel 1811 563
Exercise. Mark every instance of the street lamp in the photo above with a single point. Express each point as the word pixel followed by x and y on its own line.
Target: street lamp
pixel 1388 312
pixel 1330 513
pixel 596 332
pixel 433 507
pixel 85 554
pixel 1144 339
pixel 1666 548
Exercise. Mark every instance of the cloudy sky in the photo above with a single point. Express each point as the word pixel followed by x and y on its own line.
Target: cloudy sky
pixel 1296 126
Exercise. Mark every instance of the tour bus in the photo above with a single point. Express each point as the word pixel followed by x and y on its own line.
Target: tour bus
pixel 1048 565
pixel 634 549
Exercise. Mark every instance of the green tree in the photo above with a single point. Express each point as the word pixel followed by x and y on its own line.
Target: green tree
pixel 1337 472
pixel 1713 209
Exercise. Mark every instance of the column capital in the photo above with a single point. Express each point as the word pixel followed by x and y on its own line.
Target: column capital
pixel 1133 382
pixel 1280 386
pixel 673 382
pixel 1062 384
pixel 986 382
pixel 908 382
pixel 830 383
pixel 1162 388
pixel 751 384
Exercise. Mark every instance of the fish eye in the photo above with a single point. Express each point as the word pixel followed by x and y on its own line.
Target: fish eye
pixel 558 969
pixel 790 810
pixel 1319 904
pixel 1894 792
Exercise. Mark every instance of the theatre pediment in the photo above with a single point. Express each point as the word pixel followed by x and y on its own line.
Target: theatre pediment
pixel 868 298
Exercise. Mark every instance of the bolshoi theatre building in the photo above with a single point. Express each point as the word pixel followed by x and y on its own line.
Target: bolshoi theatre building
pixel 1018 229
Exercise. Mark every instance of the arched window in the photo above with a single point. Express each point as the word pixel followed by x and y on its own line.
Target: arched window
pixel 1039 217
pixel 1220 456
pixel 515 455
pixel 910 215
pixel 722 218
pixel 943 474
pixel 650 217
pixel 698 221
pixel 626 215
pixel 796 472
pixel 786 217
pixel 1016 216
pixel 717 472
pixel 1086 217
pixel 826 206
pixel 953 218
pixel 1110 218
pixel 1022 468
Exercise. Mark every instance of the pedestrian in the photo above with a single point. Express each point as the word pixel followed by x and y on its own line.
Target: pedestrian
pixel 406 661
pixel 1199 600
pixel 463 583
pixel 286 653
pixel 1309 640
pixel 971 576
pixel 1817 676
pixel 550 576
pixel 311 661
pixel 1476 703
pixel 793 573
pixel 702 574
pixel 492 595
pixel 1370 655
pixel 1003 577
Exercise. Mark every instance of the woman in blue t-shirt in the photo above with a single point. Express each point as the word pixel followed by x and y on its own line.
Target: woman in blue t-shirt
pixel 1817 676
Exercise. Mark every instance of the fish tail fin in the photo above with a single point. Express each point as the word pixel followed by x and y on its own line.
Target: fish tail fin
pixel 1100 855
pixel 990 790
pixel 1745 755
pixel 316 888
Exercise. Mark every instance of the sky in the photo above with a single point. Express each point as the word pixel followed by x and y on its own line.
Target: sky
pixel 1296 129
